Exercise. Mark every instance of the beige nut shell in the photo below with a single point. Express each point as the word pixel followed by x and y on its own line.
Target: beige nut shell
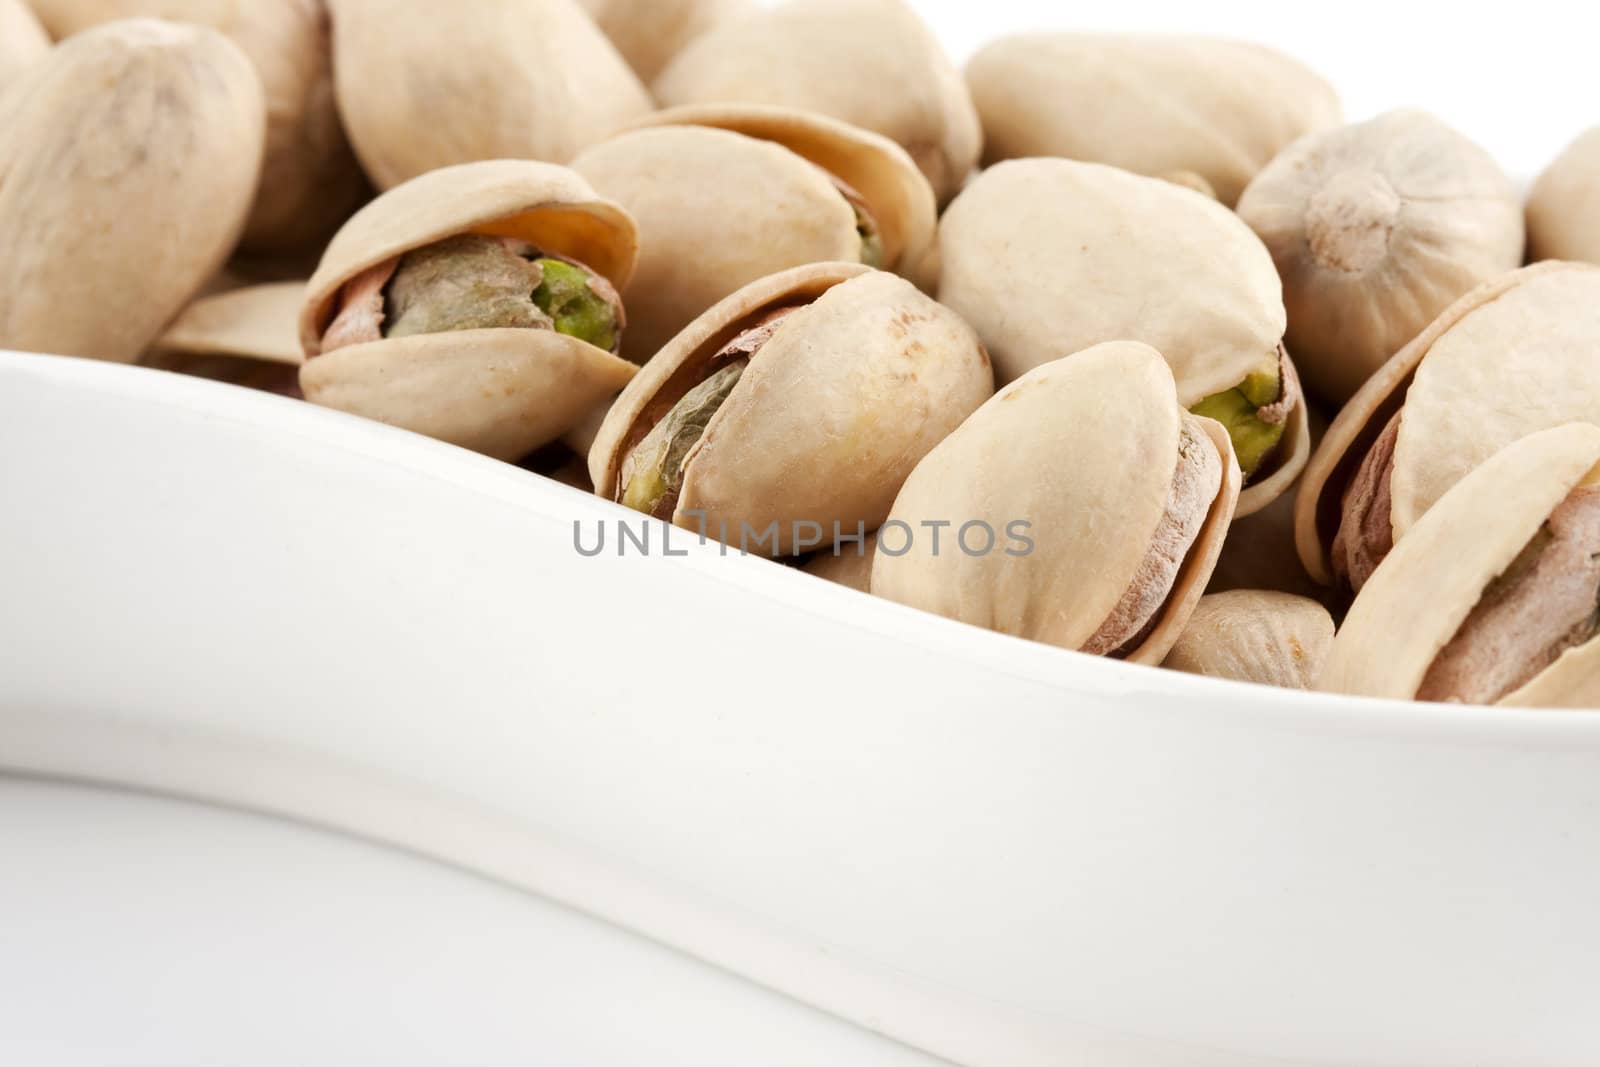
pixel 1152 104
pixel 649 33
pixel 1084 449
pixel 116 207
pixel 850 567
pixel 260 322
pixel 1515 355
pixel 1564 206
pixel 1253 635
pixel 428 85
pixel 872 63
pixel 831 414
pixel 502 392
pixel 23 41
pixel 1422 593
pixel 1376 228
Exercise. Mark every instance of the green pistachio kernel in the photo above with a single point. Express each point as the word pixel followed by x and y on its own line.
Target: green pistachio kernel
pixel 653 475
pixel 567 294
pixel 462 283
pixel 871 239
pixel 1246 412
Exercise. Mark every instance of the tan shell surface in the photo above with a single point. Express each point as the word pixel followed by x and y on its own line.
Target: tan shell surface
pixel 546 205
pixel 1046 257
pixel 850 567
pixel 115 208
pixel 716 211
pixel 427 85
pixel 874 166
pixel 1573 681
pixel 1564 206
pixel 1420 595
pixel 1152 104
pixel 872 63
pixel 649 33
pixel 1083 450
pixel 259 322
pixel 23 41
pixel 1376 228
pixel 1251 635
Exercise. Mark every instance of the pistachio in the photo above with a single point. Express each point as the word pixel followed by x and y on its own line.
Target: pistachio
pixel 1564 206
pixel 23 41
pixel 1150 104
pixel 1123 496
pixel 1376 228
pixel 649 33
pixel 849 565
pixel 116 207
pixel 871 63
pixel 1047 257
pixel 244 336
pixel 1256 636
pixel 804 398
pixel 1494 596
pixel 423 86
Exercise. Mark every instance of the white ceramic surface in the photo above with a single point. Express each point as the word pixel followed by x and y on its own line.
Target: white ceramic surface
pixel 997 852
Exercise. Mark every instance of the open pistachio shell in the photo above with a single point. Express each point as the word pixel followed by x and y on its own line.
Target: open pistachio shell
pixel 649 33
pixel 427 85
pixel 1515 355
pixel 1083 451
pixel 245 336
pixel 502 392
pixel 23 41
pixel 850 566
pixel 827 419
pixel 871 63
pixel 1150 104
pixel 1376 228
pixel 116 207
pixel 1046 257
pixel 1564 206
pixel 1251 635
pixel 1425 591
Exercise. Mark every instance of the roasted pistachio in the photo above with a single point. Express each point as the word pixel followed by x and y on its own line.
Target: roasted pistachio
pixel 1564 207
pixel 1046 257
pixel 849 565
pixel 649 33
pixel 806 397
pixel 1258 636
pixel 476 304
pixel 23 41
pixel 115 207
pixel 1150 104
pixel 244 336
pixel 1494 596
pixel 1376 228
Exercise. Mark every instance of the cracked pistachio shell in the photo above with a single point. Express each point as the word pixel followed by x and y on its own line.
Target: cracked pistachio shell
pixel 1047 257
pixel 1083 449
pixel 832 412
pixel 649 33
pixel 1150 104
pixel 1564 206
pixel 247 336
pixel 1513 356
pixel 1376 228
pixel 1252 635
pixel 502 392
pixel 116 207
pixel 23 41
pixel 310 180
pixel 1423 592
pixel 872 63
pixel 850 567
pixel 428 85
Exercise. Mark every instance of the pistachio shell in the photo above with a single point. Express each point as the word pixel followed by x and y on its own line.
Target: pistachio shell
pixel 829 417
pixel 115 207
pixel 649 33
pixel 1084 450
pixel 1149 104
pixel 427 85
pixel 1564 207
pixel 1420 596
pixel 716 211
pixel 258 323
pixel 1256 636
pixel 1513 356
pixel 23 41
pixel 1376 228
pixel 310 179
pixel 871 63
pixel 850 566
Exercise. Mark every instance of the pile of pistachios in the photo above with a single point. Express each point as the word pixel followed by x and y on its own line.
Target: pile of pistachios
pixel 1130 345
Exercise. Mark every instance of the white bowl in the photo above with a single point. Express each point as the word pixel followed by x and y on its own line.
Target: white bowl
pixel 994 851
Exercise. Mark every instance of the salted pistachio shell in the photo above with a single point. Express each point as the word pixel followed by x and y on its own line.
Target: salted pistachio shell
pixel 1252 635
pixel 245 336
pixel 649 33
pixel 1513 356
pixel 115 207
pixel 1084 451
pixel 1419 597
pixel 850 566
pixel 23 41
pixel 1152 104
pixel 1376 228
pixel 428 85
pixel 829 416
pixel 716 211
pixel 1564 206
pixel 872 63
